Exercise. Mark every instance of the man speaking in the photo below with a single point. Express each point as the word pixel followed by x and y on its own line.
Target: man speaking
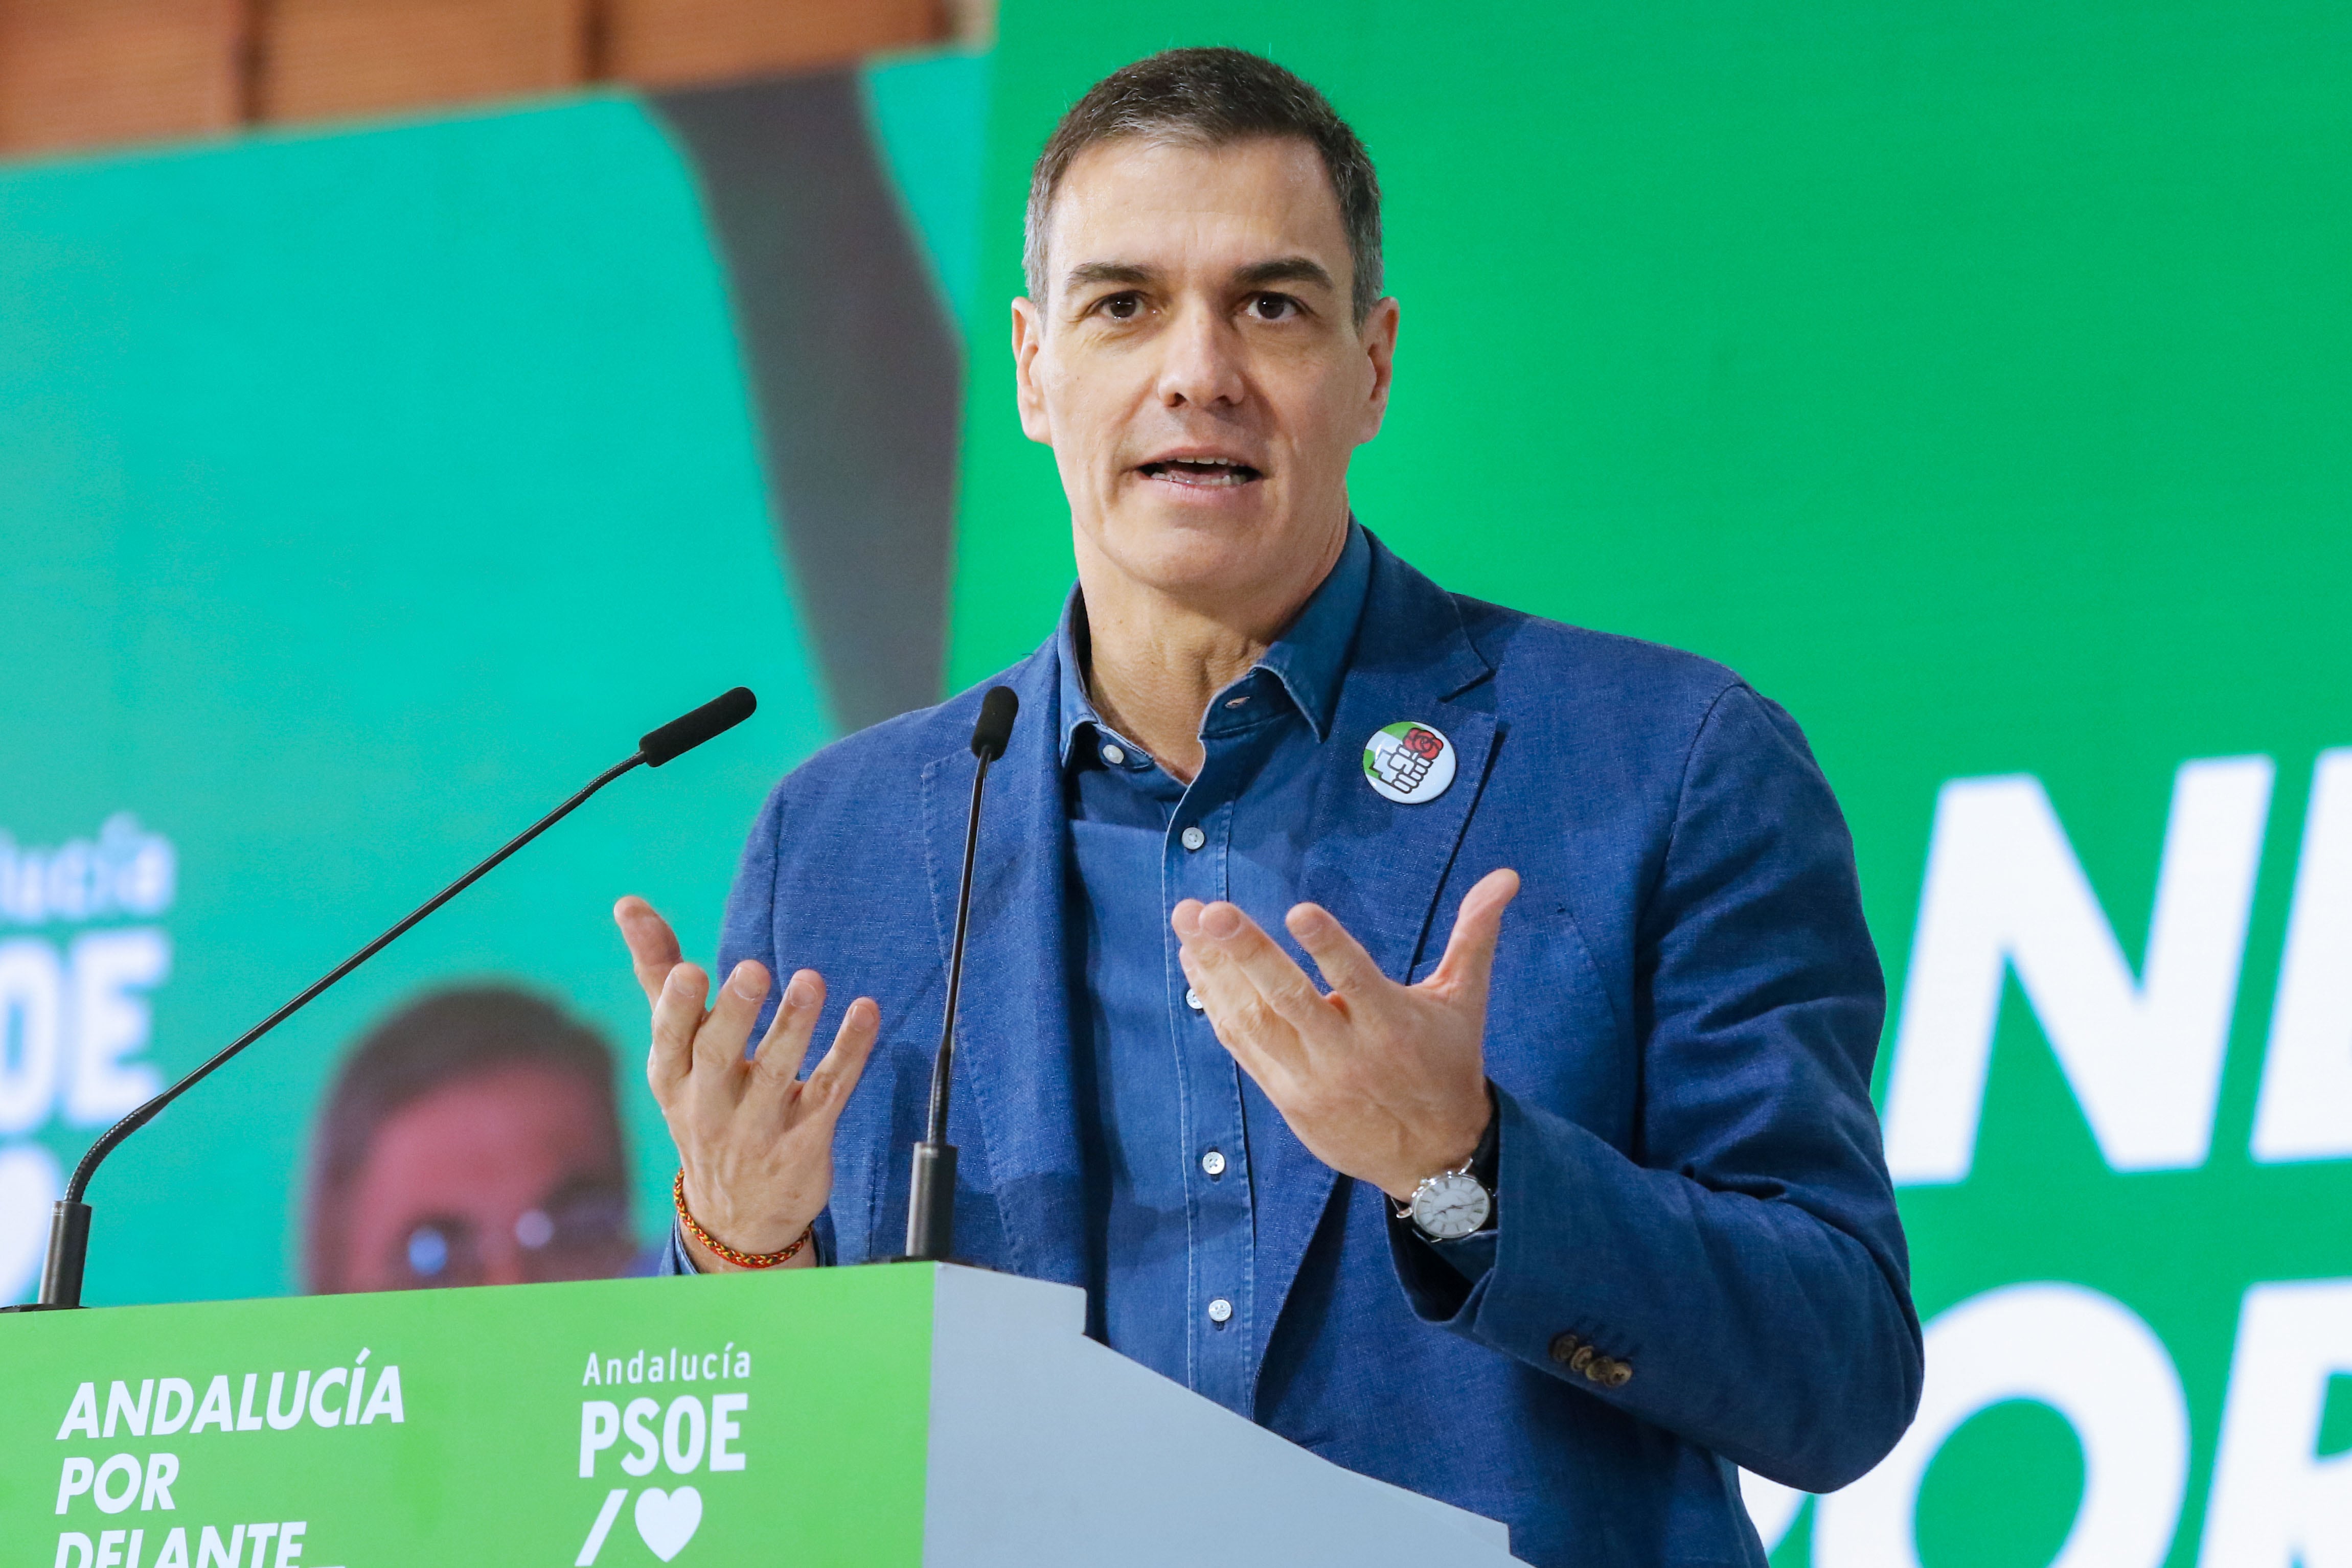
pixel 1561 1194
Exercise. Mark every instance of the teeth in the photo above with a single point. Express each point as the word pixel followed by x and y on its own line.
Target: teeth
pixel 1214 470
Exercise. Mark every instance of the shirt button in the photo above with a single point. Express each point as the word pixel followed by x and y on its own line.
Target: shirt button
pixel 1220 1310
pixel 1192 999
pixel 1213 1162
pixel 1115 755
pixel 1194 838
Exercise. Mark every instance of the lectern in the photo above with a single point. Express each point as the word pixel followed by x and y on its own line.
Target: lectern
pixel 898 1414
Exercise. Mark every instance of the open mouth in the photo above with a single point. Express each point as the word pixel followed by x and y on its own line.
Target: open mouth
pixel 1200 473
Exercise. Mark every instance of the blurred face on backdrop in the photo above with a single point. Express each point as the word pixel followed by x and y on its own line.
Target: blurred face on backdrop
pixel 1197 370
pixel 495 1178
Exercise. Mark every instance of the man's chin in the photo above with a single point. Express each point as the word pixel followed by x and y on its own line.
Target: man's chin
pixel 1189 527
pixel 1190 550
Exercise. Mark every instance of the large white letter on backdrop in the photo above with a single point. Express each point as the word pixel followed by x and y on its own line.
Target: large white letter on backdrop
pixel 2306 1112
pixel 32 1030
pixel 2143 1057
pixel 2088 1357
pixel 2276 1505
pixel 1771 1506
pixel 113 973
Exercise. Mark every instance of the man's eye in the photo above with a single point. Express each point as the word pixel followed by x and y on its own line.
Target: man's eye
pixel 1122 307
pixel 1273 307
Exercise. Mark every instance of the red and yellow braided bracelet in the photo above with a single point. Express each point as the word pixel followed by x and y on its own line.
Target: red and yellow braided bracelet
pixel 740 1259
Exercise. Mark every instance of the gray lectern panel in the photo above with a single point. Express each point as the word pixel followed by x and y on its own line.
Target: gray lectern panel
pixel 1049 1451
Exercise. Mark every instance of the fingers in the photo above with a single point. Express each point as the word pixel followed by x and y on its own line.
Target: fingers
pixel 1259 999
pixel 718 1043
pixel 1347 968
pixel 653 946
pixel 778 1061
pixel 1235 941
pixel 677 1014
pixel 1470 951
pixel 827 1089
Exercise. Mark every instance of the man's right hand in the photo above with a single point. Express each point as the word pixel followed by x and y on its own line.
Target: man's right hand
pixel 755 1141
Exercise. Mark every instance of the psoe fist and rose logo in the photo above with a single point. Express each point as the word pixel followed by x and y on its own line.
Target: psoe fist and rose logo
pixel 683 1433
pixel 1409 763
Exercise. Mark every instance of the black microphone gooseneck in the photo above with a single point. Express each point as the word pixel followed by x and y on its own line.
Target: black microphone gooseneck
pixel 930 1201
pixel 69 1220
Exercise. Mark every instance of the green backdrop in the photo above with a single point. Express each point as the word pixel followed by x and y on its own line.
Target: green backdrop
pixel 1970 378
pixel 329 466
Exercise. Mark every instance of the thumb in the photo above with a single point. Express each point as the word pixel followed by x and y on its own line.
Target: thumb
pixel 653 946
pixel 1470 951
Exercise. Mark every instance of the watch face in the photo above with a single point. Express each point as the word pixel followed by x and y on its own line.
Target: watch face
pixel 1449 1206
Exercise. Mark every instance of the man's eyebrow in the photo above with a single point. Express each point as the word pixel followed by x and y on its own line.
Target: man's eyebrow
pixel 1284 269
pixel 1107 272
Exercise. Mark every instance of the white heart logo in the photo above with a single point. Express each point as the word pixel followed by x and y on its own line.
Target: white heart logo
pixel 668 1522
pixel 29 1184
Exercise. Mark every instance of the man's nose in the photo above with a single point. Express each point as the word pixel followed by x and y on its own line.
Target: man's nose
pixel 1202 362
pixel 503 1263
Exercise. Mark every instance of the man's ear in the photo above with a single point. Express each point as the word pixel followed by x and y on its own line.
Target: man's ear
pixel 1378 335
pixel 1028 338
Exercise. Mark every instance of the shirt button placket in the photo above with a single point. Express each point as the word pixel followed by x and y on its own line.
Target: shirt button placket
pixel 1199 879
pixel 1214 1266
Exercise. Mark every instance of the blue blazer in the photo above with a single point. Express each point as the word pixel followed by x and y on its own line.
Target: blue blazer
pixel 1684 1011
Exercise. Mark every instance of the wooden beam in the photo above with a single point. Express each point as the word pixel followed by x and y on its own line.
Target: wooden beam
pixel 672 43
pixel 82 73
pixel 326 59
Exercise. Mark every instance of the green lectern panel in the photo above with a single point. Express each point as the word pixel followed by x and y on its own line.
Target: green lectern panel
pixel 613 1423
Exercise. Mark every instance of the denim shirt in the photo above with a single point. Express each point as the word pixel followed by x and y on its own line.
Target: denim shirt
pixel 1164 1113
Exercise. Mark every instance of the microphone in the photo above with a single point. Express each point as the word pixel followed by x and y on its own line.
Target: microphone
pixel 61 1273
pixel 930 1199
pixel 684 733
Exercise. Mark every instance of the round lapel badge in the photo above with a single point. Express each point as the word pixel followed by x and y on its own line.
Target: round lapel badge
pixel 1409 763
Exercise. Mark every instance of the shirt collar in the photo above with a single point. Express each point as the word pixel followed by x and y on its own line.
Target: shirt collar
pixel 1310 659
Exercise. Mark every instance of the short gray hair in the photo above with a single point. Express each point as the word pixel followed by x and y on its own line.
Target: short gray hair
pixel 1211 97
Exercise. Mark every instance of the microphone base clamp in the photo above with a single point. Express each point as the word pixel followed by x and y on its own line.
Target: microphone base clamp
pixel 69 1252
pixel 930 1203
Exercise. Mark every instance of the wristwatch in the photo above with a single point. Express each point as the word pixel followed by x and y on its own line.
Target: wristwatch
pixel 1450 1205
pixel 1456 1203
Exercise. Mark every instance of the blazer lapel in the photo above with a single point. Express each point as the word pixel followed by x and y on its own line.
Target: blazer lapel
pixel 1376 865
pixel 1012 1093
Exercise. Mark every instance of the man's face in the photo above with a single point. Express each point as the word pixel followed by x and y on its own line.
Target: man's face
pixel 1195 366
pixel 495 1178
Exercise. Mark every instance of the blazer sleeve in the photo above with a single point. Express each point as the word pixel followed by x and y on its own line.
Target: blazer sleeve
pixel 1741 1264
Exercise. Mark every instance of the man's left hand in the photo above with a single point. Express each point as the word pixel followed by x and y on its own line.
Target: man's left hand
pixel 1383 1082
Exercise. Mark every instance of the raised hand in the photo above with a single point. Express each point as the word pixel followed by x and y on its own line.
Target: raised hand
pixel 755 1141
pixel 1383 1082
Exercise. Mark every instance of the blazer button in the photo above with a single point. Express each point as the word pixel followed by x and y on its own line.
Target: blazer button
pixel 1563 1346
pixel 1597 1369
pixel 1582 1360
pixel 1618 1376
